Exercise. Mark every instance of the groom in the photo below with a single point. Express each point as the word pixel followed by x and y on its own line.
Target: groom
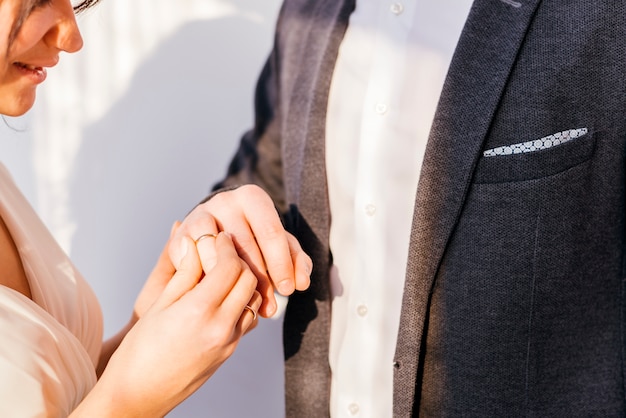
pixel 508 274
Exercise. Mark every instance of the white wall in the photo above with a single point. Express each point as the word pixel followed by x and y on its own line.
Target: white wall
pixel 128 135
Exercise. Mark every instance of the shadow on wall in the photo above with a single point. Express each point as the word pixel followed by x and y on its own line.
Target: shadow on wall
pixel 148 162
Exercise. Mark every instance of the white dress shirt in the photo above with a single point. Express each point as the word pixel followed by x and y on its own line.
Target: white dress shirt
pixel 386 84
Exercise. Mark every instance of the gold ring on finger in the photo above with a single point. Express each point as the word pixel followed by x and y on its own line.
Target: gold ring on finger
pixel 249 308
pixel 203 236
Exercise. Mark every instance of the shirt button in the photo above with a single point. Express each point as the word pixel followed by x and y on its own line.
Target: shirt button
pixel 353 408
pixel 370 210
pixel 361 310
pixel 396 8
pixel 381 108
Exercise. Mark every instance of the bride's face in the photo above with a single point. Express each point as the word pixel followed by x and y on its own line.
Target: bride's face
pixel 32 34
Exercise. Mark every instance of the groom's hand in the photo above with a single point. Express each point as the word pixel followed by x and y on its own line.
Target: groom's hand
pixel 248 215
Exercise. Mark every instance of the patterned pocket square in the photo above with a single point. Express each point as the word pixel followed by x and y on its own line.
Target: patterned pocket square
pixel 538 144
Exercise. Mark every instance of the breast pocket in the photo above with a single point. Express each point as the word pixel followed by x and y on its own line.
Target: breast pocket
pixel 536 158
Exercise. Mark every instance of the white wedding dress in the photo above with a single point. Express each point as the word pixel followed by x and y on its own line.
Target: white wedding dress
pixel 49 346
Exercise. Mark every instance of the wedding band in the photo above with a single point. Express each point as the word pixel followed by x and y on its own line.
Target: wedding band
pixel 203 236
pixel 249 308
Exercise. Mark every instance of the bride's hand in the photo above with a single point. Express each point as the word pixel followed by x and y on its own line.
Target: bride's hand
pixel 192 327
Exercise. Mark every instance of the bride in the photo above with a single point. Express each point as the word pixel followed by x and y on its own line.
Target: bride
pixel 186 322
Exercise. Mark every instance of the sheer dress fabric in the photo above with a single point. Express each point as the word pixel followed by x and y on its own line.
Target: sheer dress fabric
pixel 49 346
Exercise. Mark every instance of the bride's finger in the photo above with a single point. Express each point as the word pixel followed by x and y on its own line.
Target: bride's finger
pixel 249 316
pixel 185 278
pixel 220 282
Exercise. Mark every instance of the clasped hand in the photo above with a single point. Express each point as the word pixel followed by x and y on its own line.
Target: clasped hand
pixel 248 215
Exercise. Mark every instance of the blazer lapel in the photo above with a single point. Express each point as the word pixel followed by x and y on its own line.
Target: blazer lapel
pixel 310 54
pixel 478 72
pixel 322 31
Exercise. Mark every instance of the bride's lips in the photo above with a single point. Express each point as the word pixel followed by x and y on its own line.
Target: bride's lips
pixel 35 73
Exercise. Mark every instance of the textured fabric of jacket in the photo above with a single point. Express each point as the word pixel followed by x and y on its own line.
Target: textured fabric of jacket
pixel 514 298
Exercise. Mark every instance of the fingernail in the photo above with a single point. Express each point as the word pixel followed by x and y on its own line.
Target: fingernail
pixel 270 309
pixel 285 287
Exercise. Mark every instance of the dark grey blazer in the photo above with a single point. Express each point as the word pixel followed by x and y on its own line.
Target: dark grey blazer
pixel 514 302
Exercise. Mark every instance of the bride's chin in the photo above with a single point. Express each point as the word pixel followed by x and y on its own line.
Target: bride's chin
pixel 19 105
